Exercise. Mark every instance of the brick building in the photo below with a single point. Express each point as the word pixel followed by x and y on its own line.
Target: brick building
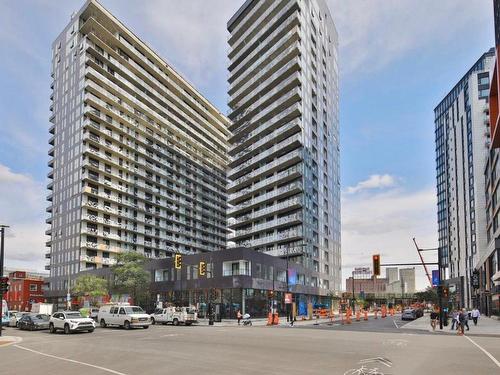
pixel 24 290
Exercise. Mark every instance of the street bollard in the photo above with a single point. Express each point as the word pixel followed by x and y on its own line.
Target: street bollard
pixel 376 313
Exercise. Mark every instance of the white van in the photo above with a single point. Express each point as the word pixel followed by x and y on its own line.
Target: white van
pixel 123 315
pixel 175 316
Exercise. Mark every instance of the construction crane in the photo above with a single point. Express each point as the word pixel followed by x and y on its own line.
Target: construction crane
pixel 419 250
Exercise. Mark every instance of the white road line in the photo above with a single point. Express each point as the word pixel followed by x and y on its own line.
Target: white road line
pixel 484 351
pixel 395 323
pixel 70 360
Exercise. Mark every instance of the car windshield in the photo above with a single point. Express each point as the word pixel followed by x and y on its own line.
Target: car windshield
pixel 134 310
pixel 72 315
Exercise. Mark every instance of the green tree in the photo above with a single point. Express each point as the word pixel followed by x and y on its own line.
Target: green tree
pixel 428 295
pixel 90 286
pixel 131 277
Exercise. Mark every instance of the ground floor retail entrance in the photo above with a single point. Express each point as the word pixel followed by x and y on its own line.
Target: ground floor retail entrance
pixel 256 302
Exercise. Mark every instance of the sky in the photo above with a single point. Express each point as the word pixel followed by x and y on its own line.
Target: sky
pixel 398 59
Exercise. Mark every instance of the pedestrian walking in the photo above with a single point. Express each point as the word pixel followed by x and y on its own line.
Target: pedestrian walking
pixel 454 320
pixel 239 316
pixel 462 318
pixel 466 319
pixel 475 315
pixel 434 316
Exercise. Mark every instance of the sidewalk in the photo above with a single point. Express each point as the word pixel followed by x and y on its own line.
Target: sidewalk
pixel 485 326
pixel 263 322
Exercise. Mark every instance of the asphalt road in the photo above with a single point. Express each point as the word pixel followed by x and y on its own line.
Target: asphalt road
pixel 248 350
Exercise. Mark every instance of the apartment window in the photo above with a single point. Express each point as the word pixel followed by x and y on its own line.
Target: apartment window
pixel 33 287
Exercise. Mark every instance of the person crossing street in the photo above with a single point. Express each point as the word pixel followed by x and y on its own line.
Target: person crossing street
pixel 475 315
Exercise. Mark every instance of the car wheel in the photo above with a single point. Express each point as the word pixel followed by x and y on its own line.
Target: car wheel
pixel 103 323
pixel 91 330
pixel 175 322
pixel 126 324
pixel 146 327
pixel 17 324
pixel 52 329
pixel 153 321
pixel 66 329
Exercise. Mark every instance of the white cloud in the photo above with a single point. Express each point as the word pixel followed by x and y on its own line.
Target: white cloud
pixel 375 181
pixel 22 208
pixel 385 223
pixel 374 33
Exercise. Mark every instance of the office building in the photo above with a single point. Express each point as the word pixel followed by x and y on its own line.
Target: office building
pixel 462 144
pixel 138 156
pixel 486 285
pixel 284 188
pixel 407 280
pixel 391 274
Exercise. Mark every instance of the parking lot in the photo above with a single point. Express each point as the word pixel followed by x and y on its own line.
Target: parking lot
pixel 242 350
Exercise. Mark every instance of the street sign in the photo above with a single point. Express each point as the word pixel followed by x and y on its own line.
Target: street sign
pixel 288 298
pixel 435 278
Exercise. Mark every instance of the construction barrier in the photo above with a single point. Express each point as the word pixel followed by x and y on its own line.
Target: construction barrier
pixel 384 311
pixel 358 316
pixel 366 314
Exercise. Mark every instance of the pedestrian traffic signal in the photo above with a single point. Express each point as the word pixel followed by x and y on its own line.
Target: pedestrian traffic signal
pixel 202 268
pixel 4 284
pixel 178 261
pixel 376 265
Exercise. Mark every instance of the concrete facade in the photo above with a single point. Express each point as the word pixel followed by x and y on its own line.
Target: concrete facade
pixel 284 167
pixel 138 156
pixel 462 143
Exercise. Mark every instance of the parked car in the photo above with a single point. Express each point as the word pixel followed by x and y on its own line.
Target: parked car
pixel 175 316
pixel 32 322
pixel 123 315
pixel 70 321
pixel 15 318
pixel 409 314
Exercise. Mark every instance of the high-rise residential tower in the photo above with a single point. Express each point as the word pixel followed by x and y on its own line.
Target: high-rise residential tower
pixel 462 144
pixel 138 156
pixel 284 168
pixel 486 280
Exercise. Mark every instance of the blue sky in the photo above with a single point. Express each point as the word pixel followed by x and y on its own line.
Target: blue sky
pixel 398 59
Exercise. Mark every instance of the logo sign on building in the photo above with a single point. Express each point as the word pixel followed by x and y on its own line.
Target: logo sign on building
pixel 288 298
pixel 435 277
pixel 475 280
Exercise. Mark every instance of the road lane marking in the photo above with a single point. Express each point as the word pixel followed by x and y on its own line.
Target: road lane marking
pixel 70 360
pixel 484 351
pixel 395 323
pixel 381 360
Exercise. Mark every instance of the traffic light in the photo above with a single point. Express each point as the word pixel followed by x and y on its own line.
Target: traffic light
pixel 446 292
pixel 202 268
pixel 4 284
pixel 178 261
pixel 376 265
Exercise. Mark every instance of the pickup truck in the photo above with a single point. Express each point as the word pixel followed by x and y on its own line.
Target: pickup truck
pixel 175 316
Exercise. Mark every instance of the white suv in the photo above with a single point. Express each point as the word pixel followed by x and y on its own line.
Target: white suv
pixel 70 321
pixel 124 316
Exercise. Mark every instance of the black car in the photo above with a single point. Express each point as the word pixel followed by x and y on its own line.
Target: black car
pixel 34 322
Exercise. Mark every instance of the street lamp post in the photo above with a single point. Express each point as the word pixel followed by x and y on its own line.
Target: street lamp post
pixel 2 235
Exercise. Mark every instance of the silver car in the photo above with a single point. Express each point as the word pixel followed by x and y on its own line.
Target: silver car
pixel 409 314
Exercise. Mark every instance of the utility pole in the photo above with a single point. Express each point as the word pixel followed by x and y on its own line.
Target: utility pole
pixel 353 290
pixel 2 230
